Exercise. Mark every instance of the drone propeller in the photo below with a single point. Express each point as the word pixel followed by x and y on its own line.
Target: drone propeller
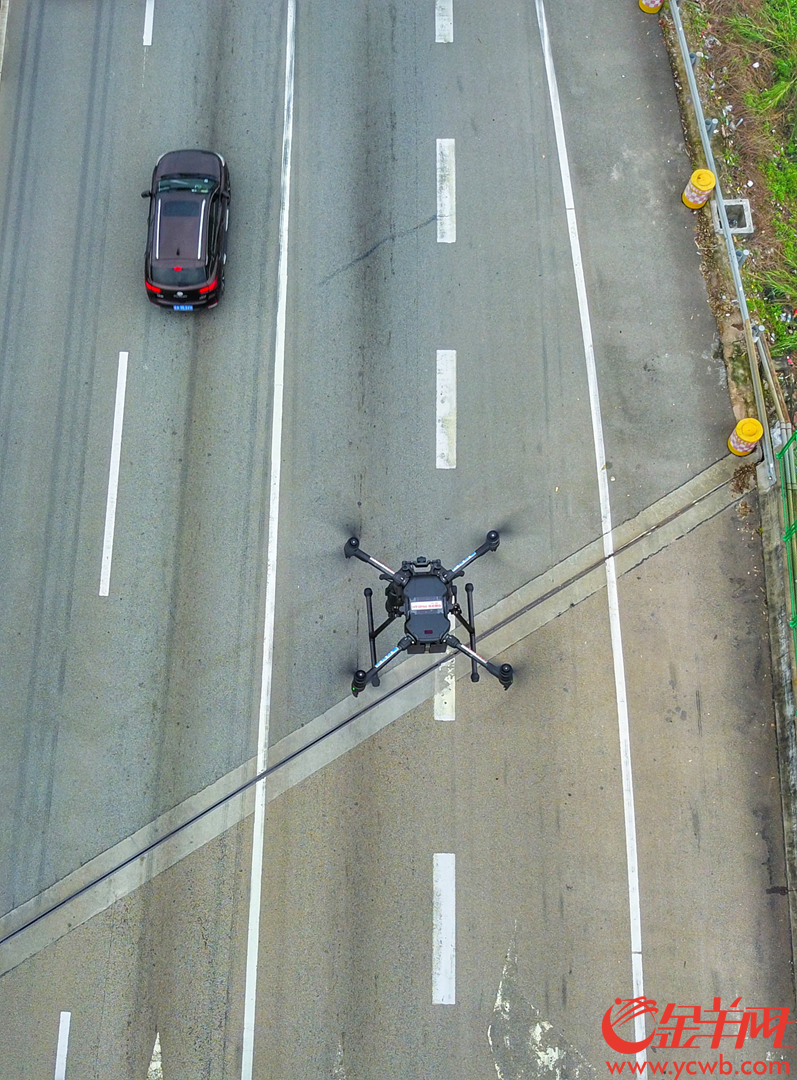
pixel 343 528
pixel 507 527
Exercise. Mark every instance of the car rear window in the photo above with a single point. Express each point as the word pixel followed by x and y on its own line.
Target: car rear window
pixel 181 277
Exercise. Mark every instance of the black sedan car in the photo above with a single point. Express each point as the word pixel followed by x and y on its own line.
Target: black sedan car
pixel 189 214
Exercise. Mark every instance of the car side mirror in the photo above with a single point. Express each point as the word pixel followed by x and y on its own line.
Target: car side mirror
pixel 146 194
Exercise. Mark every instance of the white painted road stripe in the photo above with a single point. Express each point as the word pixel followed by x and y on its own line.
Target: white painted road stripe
pixel 113 475
pixel 445 686
pixel 63 1045
pixel 607 534
pixel 444 20
pixel 156 1061
pixel 253 932
pixel 446 450
pixel 149 16
pixel 3 30
pixel 444 944
pixel 446 192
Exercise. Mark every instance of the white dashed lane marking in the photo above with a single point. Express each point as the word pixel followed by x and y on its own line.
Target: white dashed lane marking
pixel 444 920
pixel 149 17
pixel 63 1045
pixel 446 439
pixel 446 192
pixel 444 21
pixel 445 687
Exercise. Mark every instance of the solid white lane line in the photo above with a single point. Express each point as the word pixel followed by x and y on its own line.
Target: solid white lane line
pixel 113 475
pixel 63 1045
pixel 446 449
pixel 445 687
pixel 149 17
pixel 444 20
pixel 446 192
pixel 444 920
pixel 3 31
pixel 606 528
pixel 253 932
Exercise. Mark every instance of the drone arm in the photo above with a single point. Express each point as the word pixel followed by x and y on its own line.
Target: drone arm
pixel 352 547
pixel 503 673
pixel 491 542
pixel 362 678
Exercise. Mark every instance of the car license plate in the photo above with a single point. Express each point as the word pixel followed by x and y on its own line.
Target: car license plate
pixel 183 307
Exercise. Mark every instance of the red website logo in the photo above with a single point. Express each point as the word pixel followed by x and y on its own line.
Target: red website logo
pixel 633 1007
pixel 689 1027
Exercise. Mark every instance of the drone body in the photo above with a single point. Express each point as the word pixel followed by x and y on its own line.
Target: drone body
pixel 423 594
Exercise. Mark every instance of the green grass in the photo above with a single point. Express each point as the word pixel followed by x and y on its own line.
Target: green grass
pixel 695 19
pixel 768 36
pixel 774 290
pixel 773 30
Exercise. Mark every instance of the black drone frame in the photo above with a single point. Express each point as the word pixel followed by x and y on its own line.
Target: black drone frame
pixel 422 591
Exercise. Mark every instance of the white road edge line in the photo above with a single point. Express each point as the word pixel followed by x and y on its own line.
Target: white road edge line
pixel 113 475
pixel 444 921
pixel 258 831
pixel 444 21
pixel 607 533
pixel 446 412
pixel 63 1045
pixel 445 690
pixel 149 18
pixel 446 192
pixel 4 5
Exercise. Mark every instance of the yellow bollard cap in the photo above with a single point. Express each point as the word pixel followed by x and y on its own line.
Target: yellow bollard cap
pixel 749 430
pixel 703 179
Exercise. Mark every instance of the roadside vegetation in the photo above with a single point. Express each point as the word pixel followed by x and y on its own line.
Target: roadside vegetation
pixel 747 72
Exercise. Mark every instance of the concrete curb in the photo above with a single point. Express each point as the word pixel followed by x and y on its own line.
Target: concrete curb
pixel 781 646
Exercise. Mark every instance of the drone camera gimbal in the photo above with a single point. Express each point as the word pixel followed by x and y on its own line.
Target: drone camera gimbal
pixel 423 593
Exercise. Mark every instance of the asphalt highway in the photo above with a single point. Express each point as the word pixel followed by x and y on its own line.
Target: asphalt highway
pixel 510 827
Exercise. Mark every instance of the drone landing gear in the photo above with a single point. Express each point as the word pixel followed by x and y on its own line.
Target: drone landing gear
pixel 362 678
pixel 502 672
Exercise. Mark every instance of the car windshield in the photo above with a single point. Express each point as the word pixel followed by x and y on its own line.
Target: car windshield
pixel 199 185
pixel 179 277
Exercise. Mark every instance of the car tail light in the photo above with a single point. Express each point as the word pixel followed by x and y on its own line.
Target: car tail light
pixel 209 288
pixel 152 288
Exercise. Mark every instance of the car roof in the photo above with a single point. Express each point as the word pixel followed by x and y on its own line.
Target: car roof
pixel 180 227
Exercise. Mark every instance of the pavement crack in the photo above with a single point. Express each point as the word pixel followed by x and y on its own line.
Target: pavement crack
pixel 392 236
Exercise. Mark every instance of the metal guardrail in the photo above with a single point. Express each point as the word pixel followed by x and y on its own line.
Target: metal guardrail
pixel 757 353
pixel 787 460
pixel 706 130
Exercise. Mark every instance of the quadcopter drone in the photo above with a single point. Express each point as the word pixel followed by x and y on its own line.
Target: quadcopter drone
pixel 422 592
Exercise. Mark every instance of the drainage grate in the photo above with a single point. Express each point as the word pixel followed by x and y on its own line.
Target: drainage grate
pixel 740 218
